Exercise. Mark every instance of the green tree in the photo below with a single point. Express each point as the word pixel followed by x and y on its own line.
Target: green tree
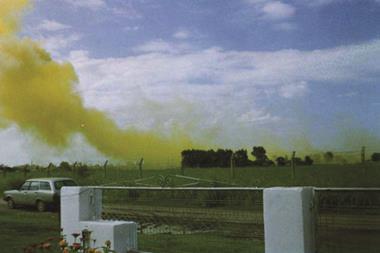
pixel 328 156
pixel 375 157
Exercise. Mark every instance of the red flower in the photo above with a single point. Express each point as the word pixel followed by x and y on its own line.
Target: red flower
pixel 76 245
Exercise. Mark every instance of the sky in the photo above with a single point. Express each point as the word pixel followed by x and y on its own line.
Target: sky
pixel 290 75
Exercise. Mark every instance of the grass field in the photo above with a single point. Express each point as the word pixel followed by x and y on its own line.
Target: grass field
pixel 350 175
pixel 20 228
pixel 23 227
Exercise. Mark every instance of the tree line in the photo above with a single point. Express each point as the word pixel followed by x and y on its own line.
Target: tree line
pixel 196 158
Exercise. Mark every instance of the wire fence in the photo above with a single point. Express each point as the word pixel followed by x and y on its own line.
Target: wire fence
pixel 348 220
pixel 231 217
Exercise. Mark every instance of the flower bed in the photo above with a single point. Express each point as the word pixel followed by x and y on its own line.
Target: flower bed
pixel 83 243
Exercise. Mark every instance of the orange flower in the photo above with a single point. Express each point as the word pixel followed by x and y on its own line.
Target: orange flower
pixel 91 250
pixel 66 250
pixel 62 243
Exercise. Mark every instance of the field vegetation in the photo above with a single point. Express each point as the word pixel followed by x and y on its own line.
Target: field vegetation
pixel 323 175
pixel 21 228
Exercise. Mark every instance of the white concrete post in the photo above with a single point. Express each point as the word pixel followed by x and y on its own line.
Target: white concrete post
pixel 81 207
pixel 79 204
pixel 289 220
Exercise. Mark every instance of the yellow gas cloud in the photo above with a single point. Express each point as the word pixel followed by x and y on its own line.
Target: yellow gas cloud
pixel 38 94
pixel 10 11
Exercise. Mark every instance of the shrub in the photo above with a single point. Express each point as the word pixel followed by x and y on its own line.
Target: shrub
pixel 375 157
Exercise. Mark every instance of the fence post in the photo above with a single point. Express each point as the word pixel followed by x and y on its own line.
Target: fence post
pixel 141 167
pixel 105 168
pixel 81 208
pixel 289 220
pixel 362 155
pixel 232 166
pixel 182 169
pixel 74 167
pixel 25 168
pixel 293 166
pixel 48 169
pixel 4 169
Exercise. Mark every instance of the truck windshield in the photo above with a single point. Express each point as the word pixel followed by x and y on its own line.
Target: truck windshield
pixel 59 184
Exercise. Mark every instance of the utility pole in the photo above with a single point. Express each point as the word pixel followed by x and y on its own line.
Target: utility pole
pixel 232 166
pixel 182 169
pixel 363 154
pixel 105 168
pixel 74 167
pixel 48 169
pixel 293 166
pixel 141 162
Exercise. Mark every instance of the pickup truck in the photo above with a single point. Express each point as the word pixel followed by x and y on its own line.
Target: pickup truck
pixel 39 192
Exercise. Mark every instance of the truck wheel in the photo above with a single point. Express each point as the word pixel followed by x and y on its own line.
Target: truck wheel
pixel 41 206
pixel 10 203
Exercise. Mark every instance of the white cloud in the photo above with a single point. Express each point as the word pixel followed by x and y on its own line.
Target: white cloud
pixel 131 28
pixel 182 34
pixel 257 117
pixel 90 4
pixel 285 26
pixel 278 10
pixel 56 43
pixel 348 94
pixel 125 9
pixel 272 10
pixel 52 26
pixel 294 90
pixel 163 47
pixel 218 85
pixel 317 3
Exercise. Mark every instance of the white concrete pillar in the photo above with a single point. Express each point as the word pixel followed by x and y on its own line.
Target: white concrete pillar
pixel 79 204
pixel 81 207
pixel 289 220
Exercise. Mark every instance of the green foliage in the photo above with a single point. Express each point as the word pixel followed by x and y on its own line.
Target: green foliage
pixel 375 157
pixel 259 153
pixel 328 156
pixel 15 183
pixel 308 160
pixel 202 159
pixel 64 166
pixel 261 158
pixel 241 158
pixel 281 161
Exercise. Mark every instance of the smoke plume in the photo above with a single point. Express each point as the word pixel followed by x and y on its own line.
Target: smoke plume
pixel 38 94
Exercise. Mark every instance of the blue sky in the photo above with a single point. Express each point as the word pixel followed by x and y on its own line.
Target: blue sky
pixel 297 74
